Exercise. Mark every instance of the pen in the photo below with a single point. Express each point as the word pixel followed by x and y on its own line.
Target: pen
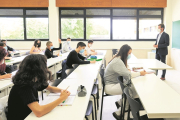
pixel 67 87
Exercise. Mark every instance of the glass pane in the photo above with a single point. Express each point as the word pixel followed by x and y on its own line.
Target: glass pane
pixel 98 28
pixel 124 28
pixel 97 12
pixel 148 28
pixel 36 12
pixel 150 12
pixel 11 12
pixel 72 27
pixel 124 12
pixel 72 12
pixel 37 28
pixel 11 28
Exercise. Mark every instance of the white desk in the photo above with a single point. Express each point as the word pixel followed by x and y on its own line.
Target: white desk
pixel 82 75
pixel 16 60
pixel 20 52
pixel 158 98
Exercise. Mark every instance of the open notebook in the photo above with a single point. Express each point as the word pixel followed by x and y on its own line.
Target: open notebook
pixel 54 96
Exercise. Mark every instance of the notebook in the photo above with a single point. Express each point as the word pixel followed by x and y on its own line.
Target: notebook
pixel 149 71
pixel 54 96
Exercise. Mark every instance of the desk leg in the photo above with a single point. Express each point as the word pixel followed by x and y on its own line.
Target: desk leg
pixel 156 72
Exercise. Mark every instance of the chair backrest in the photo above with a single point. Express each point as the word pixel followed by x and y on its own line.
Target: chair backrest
pixel 120 79
pixel 63 74
pixel 114 51
pixel 102 75
pixel 135 106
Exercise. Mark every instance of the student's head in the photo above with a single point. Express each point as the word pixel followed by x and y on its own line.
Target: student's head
pixel 33 71
pixel 90 42
pixel 4 41
pixel 81 46
pixel 49 45
pixel 3 45
pixel 161 27
pixel 124 53
pixel 3 54
pixel 69 40
pixel 37 43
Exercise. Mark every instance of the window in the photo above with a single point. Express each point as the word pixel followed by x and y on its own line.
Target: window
pixel 124 28
pixel 72 27
pixel 98 28
pixel 24 23
pixel 116 24
pixel 148 28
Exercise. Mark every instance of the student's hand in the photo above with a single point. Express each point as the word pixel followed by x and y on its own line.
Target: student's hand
pixel 10 51
pixel 154 45
pixel 7 75
pixel 58 54
pixel 93 61
pixel 143 73
pixel 64 94
pixel 95 53
pixel 59 40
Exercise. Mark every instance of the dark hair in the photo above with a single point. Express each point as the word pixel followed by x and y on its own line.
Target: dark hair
pixel 68 38
pixel 162 26
pixel 35 43
pixel 3 53
pixel 3 40
pixel 33 71
pixel 81 44
pixel 123 53
pixel 2 44
pixel 90 41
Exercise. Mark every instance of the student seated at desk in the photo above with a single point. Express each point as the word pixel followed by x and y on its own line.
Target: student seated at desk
pixel 3 53
pixel 49 49
pixel 118 67
pixel 8 56
pixel 66 46
pixel 75 57
pixel 10 49
pixel 32 76
pixel 36 48
pixel 88 50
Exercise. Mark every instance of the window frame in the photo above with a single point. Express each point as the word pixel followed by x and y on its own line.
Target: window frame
pixel 24 16
pixel 111 21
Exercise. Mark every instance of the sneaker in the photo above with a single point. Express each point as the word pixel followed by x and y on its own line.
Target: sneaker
pixel 117 117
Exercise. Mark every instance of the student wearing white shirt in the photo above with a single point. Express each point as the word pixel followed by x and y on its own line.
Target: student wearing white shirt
pixel 161 45
pixel 88 50
pixel 66 46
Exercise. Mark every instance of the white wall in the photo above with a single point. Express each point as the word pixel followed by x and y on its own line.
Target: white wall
pixel 175 53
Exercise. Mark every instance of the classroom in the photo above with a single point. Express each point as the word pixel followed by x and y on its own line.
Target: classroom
pixel 89 59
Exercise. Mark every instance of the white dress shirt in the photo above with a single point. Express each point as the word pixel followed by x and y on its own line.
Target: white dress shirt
pixel 159 37
pixel 66 47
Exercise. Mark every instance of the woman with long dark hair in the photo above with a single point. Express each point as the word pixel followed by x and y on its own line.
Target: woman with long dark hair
pixel 36 48
pixel 118 67
pixel 32 76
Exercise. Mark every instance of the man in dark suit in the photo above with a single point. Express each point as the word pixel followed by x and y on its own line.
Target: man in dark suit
pixel 162 42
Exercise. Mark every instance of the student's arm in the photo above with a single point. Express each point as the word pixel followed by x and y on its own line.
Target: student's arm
pixel 10 48
pixel 54 89
pixel 49 54
pixel 58 48
pixel 39 110
pixel 79 61
pixel 166 42
pixel 32 49
pixel 5 76
pixel 81 57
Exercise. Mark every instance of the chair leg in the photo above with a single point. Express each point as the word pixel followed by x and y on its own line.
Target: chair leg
pixel 101 106
pixel 86 117
pixel 95 106
pixel 122 105
pixel 42 95
pixel 128 117
pixel 98 97
pixel 93 115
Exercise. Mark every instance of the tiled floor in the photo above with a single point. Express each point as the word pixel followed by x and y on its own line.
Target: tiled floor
pixel 172 79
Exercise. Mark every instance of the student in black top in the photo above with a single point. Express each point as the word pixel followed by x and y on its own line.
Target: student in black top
pixel 50 49
pixel 8 48
pixel 33 75
pixel 75 58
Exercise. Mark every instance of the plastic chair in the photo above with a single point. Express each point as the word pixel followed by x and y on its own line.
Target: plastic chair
pixel 135 107
pixel 89 110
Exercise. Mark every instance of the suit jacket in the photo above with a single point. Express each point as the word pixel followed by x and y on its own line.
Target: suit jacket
pixel 163 44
